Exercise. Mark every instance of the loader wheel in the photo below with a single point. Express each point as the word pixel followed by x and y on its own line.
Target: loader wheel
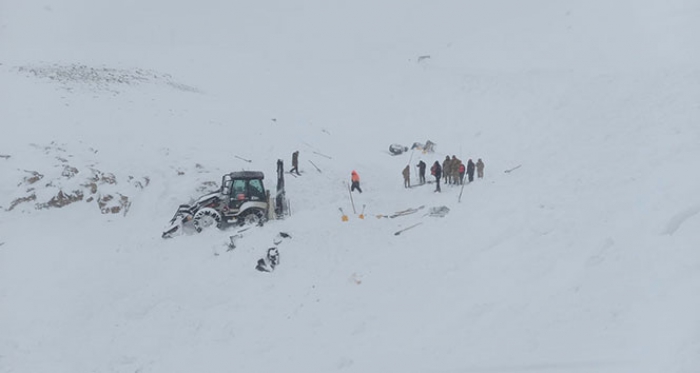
pixel 253 217
pixel 205 218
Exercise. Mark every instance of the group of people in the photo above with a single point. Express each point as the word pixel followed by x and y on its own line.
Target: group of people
pixel 452 171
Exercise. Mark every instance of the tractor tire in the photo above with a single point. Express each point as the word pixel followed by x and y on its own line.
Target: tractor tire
pixel 205 218
pixel 253 217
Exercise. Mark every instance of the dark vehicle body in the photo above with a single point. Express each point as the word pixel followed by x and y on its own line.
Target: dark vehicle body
pixel 242 199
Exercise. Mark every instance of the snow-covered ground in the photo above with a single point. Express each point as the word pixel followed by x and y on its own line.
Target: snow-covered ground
pixel 584 259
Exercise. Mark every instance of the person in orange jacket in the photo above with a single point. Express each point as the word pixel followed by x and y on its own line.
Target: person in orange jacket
pixel 355 178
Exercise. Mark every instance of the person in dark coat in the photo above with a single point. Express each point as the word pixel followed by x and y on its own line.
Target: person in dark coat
pixel 295 163
pixel 470 170
pixel 436 171
pixel 421 171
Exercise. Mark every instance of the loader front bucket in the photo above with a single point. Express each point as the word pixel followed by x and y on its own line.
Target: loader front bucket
pixel 182 216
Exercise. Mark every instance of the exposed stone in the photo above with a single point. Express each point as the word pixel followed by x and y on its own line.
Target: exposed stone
pixel 92 186
pixel 35 176
pixel 107 204
pixel 21 200
pixel 95 175
pixel 69 171
pixel 62 199
pixel 100 78
pixel 141 184
pixel 125 204
pixel 108 178
pixel 104 200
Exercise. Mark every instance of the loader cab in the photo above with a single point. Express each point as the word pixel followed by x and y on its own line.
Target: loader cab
pixel 240 187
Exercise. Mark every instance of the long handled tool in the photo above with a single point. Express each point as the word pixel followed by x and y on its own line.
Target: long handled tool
pixel 316 167
pixel 351 201
pixel 362 214
pixel 323 155
pixel 343 217
pixel 512 169
pixel 407 228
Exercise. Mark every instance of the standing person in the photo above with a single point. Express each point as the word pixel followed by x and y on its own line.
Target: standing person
pixel 456 164
pixel 421 171
pixel 470 170
pixel 462 169
pixel 446 169
pixel 406 176
pixel 436 171
pixel 355 178
pixel 295 163
pixel 480 168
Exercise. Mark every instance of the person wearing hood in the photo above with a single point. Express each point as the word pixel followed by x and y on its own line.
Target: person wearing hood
pixel 470 170
pixel 355 178
pixel 480 168
pixel 436 171
pixel 421 171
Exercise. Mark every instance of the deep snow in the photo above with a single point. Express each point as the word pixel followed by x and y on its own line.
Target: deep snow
pixel 582 260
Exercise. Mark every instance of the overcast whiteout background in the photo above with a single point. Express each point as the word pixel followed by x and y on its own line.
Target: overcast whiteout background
pixel 584 259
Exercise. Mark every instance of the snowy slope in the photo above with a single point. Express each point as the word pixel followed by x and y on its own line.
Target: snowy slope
pixel 584 259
